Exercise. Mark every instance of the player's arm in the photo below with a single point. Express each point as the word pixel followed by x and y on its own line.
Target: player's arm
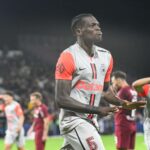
pixel 63 100
pixel 20 115
pixel 21 121
pixel 2 105
pixel 46 127
pixel 110 97
pixel 31 128
pixel 108 94
pixel 138 84
pixel 46 123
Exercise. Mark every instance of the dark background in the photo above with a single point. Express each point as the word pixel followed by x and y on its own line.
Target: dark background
pixel 42 27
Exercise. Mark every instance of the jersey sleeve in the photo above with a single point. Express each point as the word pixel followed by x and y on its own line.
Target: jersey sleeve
pixel 109 70
pixel 18 110
pixel 65 66
pixel 2 107
pixel 146 89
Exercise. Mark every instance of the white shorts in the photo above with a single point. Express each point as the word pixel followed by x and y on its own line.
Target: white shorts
pixel 147 133
pixel 13 137
pixel 83 137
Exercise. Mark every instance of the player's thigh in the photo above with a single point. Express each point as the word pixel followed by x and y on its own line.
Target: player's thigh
pixel 66 146
pixel 122 137
pixel 132 140
pixel 40 144
pixel 147 132
pixel 85 137
pixel 147 125
pixel 21 139
pixel 10 138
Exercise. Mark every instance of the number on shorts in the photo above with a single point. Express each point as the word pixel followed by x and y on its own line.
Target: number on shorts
pixel 91 143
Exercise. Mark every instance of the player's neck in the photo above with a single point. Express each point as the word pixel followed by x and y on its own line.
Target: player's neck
pixel 9 102
pixel 87 46
pixel 124 84
pixel 39 104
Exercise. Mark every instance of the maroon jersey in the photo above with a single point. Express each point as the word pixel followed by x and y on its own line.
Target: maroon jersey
pixel 126 117
pixel 40 113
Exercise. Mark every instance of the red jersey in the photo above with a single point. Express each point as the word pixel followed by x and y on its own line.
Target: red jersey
pixel 125 117
pixel 40 113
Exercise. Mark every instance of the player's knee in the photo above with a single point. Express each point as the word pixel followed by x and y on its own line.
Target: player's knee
pixel 21 148
pixel 7 147
pixel 67 147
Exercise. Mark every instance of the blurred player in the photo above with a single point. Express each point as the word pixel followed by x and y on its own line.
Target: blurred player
pixel 125 125
pixel 15 119
pixel 41 122
pixel 81 71
pixel 142 86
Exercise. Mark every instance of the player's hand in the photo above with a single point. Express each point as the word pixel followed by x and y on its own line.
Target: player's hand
pixel 133 105
pixel 29 132
pixel 44 137
pixel 18 129
pixel 108 110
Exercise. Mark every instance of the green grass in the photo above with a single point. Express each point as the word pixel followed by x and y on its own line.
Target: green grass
pixel 54 143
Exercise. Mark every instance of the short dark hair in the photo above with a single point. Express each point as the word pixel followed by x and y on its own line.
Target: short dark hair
pixel 77 21
pixel 38 95
pixel 119 74
pixel 10 93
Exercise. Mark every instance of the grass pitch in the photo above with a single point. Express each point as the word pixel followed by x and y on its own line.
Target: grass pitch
pixel 54 143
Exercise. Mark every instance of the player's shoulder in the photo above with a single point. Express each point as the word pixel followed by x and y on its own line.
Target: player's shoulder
pixel 70 49
pixel 15 103
pixel 70 52
pixel 43 106
pixel 126 88
pixel 100 49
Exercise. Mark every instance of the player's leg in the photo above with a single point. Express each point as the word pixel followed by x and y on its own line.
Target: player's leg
pixel 21 148
pixel 39 144
pixel 132 141
pixel 85 137
pixel 9 140
pixel 66 146
pixel 8 146
pixel 21 140
pixel 122 138
pixel 147 133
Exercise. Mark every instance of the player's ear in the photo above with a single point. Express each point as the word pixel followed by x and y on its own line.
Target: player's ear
pixel 78 31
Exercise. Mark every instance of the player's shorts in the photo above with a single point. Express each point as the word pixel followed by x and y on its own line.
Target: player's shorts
pixel 13 137
pixel 125 137
pixel 83 137
pixel 147 132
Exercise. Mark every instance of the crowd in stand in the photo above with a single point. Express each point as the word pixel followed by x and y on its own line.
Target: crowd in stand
pixel 23 74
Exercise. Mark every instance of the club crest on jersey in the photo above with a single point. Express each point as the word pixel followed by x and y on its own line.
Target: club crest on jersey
pixel 103 69
pixel 60 68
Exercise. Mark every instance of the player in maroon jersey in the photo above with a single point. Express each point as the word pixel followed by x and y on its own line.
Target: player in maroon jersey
pixel 41 121
pixel 125 126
